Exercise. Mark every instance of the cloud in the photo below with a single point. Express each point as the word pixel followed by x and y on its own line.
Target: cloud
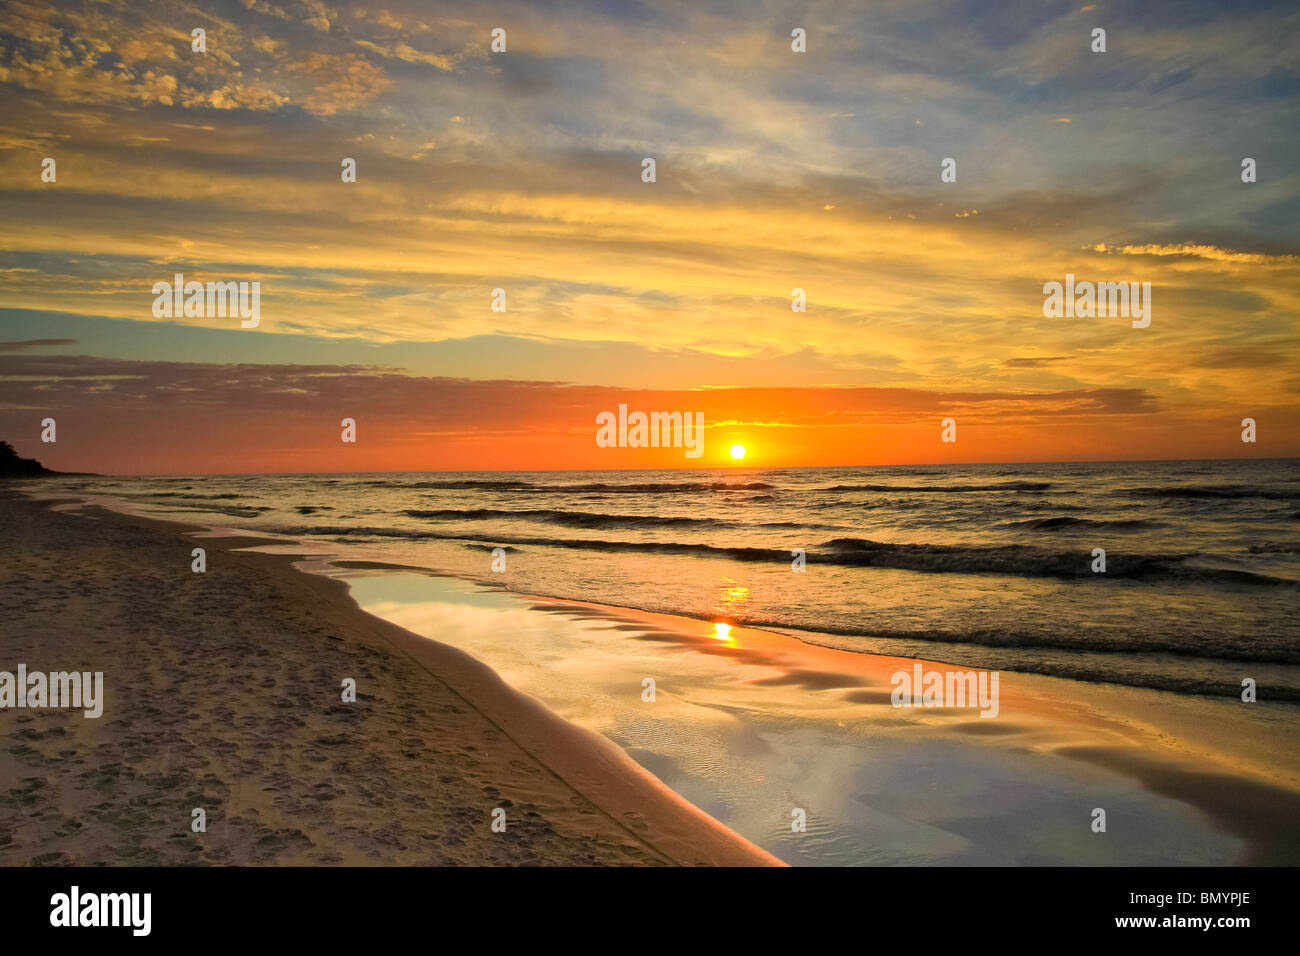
pixel 138 55
pixel 239 96
pixel 406 52
pixel 27 344
pixel 338 82
pixel 1200 251
pixel 1042 362
pixel 386 393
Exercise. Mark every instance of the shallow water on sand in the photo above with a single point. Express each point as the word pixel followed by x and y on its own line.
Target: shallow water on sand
pixel 751 726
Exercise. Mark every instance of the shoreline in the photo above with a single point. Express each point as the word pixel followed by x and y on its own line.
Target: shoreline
pixel 1191 637
pixel 1204 754
pixel 583 801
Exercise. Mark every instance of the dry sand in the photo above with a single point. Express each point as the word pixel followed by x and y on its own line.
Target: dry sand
pixel 222 692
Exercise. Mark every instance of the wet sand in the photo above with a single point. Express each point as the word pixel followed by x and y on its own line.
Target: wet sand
pixel 752 725
pixel 223 693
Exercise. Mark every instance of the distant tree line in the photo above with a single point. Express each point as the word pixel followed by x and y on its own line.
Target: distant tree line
pixel 11 466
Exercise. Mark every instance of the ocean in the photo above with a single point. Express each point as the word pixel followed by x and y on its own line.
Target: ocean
pixel 985 566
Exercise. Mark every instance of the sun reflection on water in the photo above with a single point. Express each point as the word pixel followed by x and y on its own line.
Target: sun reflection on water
pixel 733 593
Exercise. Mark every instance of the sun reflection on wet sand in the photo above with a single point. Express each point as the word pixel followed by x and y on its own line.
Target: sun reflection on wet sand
pixel 756 721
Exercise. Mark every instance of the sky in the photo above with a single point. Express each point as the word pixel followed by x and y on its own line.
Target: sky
pixel 521 170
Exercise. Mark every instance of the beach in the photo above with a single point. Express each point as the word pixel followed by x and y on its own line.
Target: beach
pixel 223 692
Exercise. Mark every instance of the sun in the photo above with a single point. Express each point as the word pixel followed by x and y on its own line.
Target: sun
pixel 737 451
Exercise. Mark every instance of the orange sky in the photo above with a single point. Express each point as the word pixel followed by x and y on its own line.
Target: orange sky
pixel 203 418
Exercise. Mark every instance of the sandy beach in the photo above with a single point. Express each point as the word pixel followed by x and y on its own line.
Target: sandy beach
pixel 222 692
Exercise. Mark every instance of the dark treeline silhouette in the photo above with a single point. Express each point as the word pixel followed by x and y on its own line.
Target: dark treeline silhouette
pixel 11 466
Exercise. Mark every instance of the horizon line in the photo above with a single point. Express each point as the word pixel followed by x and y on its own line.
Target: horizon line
pixel 736 468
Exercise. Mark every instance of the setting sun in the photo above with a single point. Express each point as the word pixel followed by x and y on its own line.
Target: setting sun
pixel 737 451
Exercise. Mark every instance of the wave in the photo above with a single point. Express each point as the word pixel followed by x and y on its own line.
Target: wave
pixel 1273 547
pixel 1210 491
pixel 595 519
pixel 468 484
pixel 1012 560
pixel 1026 561
pixel 234 511
pixel 639 488
pixel 656 488
pixel 946 489
pixel 572 519
pixel 1060 522
pixel 184 496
